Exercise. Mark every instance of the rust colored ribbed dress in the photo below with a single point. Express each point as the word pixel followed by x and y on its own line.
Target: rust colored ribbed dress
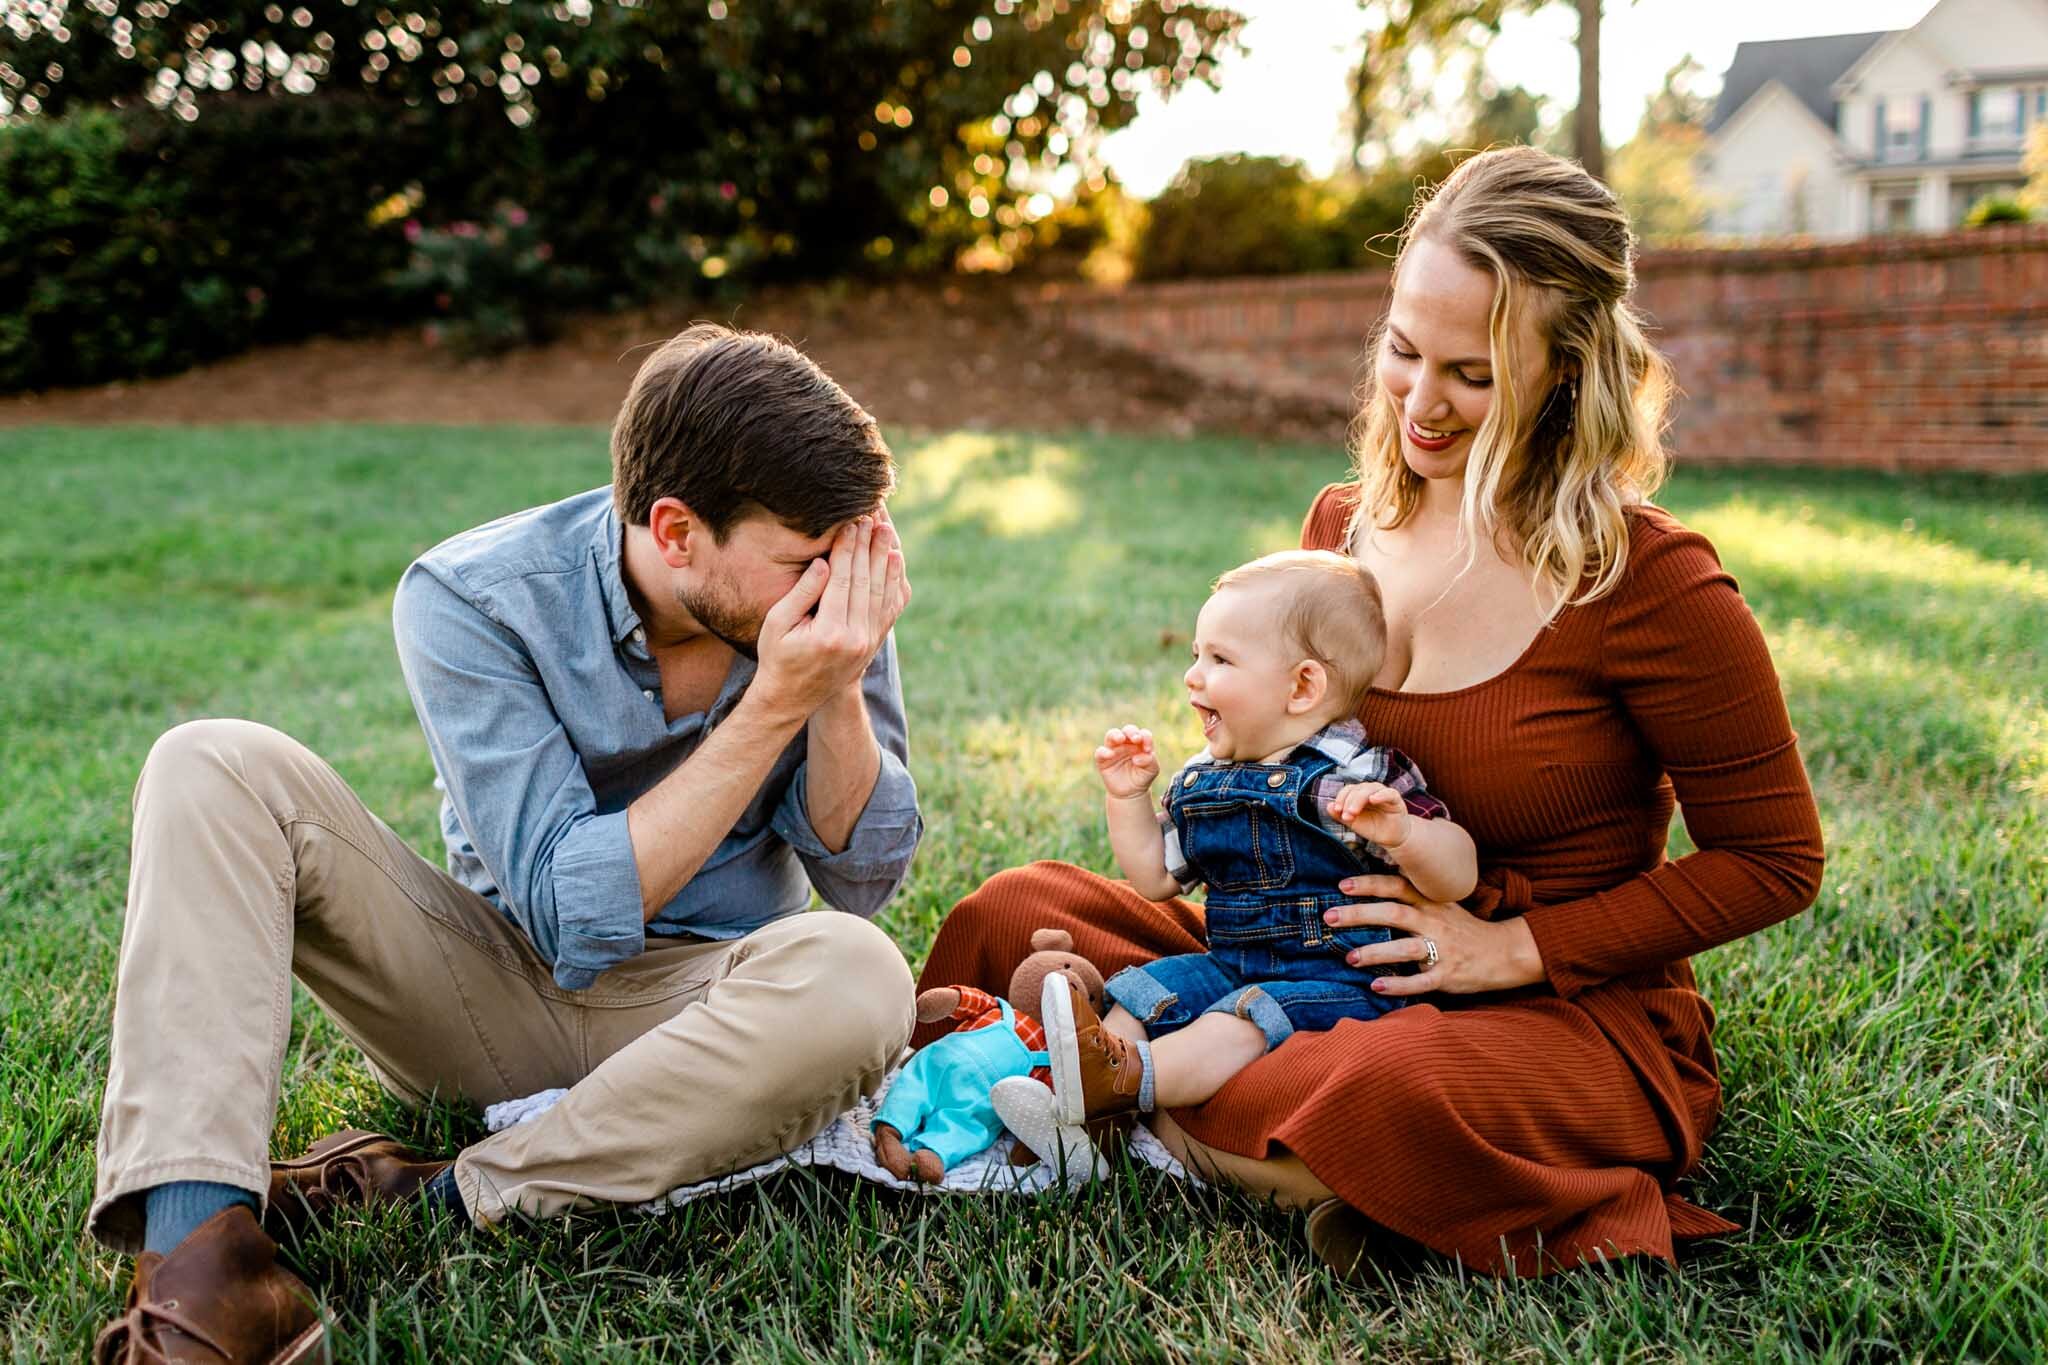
pixel 1544 1127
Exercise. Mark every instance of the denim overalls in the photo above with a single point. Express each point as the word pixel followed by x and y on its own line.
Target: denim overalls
pixel 1271 872
pixel 940 1100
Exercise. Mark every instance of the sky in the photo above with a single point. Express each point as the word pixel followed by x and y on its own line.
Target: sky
pixel 1285 96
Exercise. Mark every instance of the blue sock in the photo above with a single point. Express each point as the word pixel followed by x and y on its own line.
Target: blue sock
pixel 1145 1101
pixel 171 1212
pixel 443 1193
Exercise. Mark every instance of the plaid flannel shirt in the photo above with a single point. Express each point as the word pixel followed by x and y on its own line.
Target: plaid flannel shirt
pixel 1357 761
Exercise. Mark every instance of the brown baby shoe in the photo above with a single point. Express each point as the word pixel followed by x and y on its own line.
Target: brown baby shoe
pixel 1095 1073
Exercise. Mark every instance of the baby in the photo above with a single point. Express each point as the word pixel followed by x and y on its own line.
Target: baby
pixel 1287 800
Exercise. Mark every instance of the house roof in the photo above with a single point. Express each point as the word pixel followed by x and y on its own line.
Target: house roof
pixel 1808 67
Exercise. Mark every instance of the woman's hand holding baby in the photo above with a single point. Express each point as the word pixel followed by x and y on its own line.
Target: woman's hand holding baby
pixel 1472 954
pixel 1127 762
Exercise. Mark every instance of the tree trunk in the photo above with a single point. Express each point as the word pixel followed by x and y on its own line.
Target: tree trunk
pixel 1586 131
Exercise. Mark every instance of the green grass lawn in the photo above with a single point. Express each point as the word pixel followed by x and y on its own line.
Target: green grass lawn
pixel 1885 1145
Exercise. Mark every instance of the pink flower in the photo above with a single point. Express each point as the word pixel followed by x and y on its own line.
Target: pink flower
pixel 463 230
pixel 728 190
pixel 656 203
pixel 412 229
pixel 544 252
pixel 516 216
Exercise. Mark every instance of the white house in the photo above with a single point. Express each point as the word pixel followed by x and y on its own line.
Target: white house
pixel 1877 132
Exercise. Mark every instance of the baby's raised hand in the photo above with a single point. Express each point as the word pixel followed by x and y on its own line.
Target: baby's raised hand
pixel 1126 762
pixel 1373 810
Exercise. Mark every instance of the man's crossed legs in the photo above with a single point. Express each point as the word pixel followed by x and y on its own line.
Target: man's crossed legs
pixel 253 861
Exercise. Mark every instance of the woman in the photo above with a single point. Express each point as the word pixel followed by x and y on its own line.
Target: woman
pixel 1564 661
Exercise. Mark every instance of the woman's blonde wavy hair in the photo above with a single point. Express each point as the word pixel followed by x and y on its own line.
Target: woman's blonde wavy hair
pixel 1550 474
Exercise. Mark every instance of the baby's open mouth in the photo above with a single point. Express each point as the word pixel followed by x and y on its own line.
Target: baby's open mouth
pixel 1208 716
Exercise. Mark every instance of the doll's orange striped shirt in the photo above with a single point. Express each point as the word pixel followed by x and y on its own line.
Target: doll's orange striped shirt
pixel 984 1009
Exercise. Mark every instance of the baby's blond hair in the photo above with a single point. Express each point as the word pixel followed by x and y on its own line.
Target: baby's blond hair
pixel 1329 611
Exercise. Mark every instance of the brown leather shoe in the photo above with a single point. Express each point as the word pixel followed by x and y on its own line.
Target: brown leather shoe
pixel 1095 1073
pixel 349 1169
pixel 219 1298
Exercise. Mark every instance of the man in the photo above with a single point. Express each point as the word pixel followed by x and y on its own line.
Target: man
pixel 661 713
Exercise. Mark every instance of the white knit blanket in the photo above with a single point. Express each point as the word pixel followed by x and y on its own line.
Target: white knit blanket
pixel 848 1145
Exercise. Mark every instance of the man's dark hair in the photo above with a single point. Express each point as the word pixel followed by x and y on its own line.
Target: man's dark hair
pixel 735 423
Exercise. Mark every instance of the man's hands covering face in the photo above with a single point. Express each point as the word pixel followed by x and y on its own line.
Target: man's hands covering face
pixel 820 637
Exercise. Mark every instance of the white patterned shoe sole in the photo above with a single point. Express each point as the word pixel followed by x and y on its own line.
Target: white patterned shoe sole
pixel 1056 1010
pixel 1026 1108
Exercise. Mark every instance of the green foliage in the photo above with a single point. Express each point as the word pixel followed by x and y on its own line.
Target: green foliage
pixel 2034 165
pixel 1997 208
pixel 810 136
pixel 1884 1134
pixel 85 286
pixel 1254 215
pixel 136 244
pixel 491 285
pixel 1242 215
pixel 1652 172
pixel 1094 235
pixel 1499 115
pixel 1248 215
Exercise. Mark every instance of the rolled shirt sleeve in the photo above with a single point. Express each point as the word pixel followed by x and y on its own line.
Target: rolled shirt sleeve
pixel 564 871
pixel 861 877
pixel 1175 859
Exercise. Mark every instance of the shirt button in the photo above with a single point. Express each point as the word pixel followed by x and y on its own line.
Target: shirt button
pixel 639 636
pixel 1276 779
pixel 647 694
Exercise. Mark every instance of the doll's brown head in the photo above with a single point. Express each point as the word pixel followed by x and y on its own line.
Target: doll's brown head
pixel 1052 950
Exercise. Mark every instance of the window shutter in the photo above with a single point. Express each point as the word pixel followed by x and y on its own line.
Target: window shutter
pixel 1976 112
pixel 1877 138
pixel 1926 117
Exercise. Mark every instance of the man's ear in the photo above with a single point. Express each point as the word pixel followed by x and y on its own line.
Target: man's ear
pixel 1311 686
pixel 678 532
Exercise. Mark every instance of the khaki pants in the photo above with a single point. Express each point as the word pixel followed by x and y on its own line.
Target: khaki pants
pixel 253 861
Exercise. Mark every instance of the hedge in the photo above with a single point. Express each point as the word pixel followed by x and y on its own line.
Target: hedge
pixel 133 244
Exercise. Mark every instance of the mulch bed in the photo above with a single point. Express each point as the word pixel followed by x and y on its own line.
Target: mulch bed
pixel 929 355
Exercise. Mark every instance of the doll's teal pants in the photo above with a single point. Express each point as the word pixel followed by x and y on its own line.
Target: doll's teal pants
pixel 940 1100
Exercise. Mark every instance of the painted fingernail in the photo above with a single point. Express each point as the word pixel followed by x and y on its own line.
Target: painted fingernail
pixel 1379 985
pixel 1329 916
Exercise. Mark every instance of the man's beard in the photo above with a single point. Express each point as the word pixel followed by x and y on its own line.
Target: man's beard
pixel 717 613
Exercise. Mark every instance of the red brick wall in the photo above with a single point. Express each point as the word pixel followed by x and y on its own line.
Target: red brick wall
pixel 1894 352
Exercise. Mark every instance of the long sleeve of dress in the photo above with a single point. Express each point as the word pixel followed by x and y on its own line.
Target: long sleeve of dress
pixel 1688 662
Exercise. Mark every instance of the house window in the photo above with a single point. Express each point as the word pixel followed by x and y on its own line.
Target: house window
pixel 1901 139
pixel 1997 116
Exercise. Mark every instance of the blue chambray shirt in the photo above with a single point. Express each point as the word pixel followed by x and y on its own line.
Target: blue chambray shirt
pixel 542 707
